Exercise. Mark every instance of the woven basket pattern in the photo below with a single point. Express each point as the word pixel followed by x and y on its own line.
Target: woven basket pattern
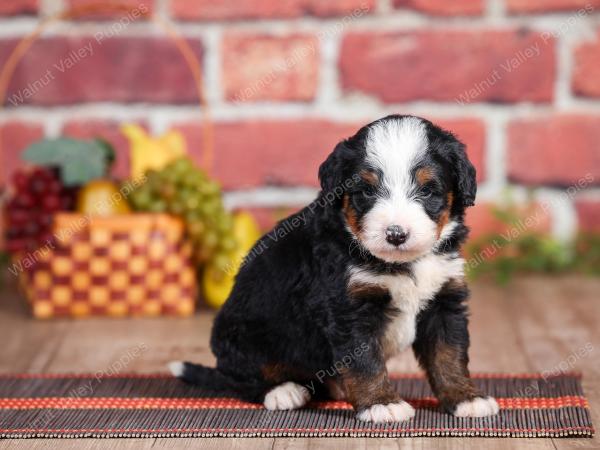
pixel 130 265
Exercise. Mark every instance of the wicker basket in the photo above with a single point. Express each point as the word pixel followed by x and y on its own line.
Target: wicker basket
pixel 130 265
pixel 138 264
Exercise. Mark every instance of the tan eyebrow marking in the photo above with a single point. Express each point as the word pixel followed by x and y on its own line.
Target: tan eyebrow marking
pixel 370 177
pixel 424 174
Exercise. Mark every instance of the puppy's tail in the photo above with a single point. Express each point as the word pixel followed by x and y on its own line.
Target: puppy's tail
pixel 216 382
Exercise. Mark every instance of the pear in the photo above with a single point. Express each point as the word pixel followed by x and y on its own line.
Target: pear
pixel 218 278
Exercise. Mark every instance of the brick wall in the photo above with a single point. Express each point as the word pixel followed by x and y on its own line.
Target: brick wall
pixel 517 80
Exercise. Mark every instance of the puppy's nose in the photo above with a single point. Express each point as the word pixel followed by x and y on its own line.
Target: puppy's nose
pixel 395 235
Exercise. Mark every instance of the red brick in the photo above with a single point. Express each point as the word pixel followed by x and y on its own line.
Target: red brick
pixel 483 221
pixel 132 9
pixel 267 9
pixel 108 130
pixel 14 138
pixel 537 6
pixel 443 7
pixel 586 74
pixel 114 69
pixel 472 133
pixel 588 213
pixel 352 9
pixel 558 150
pixel 269 152
pixel 259 67
pixel 15 7
pixel 461 66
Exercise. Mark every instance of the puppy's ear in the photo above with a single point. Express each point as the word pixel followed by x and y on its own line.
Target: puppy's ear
pixel 465 175
pixel 334 168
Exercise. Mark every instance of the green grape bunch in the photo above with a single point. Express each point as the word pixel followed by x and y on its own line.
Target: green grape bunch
pixel 184 190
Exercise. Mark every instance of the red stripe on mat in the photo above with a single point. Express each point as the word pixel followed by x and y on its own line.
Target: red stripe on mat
pixel 395 376
pixel 229 403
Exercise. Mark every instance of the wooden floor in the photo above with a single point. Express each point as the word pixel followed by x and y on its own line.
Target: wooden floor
pixel 535 324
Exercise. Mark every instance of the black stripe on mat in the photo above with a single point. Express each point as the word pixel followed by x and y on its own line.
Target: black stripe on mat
pixel 172 388
pixel 236 423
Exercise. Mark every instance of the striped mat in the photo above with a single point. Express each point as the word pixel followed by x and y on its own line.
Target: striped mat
pixel 70 406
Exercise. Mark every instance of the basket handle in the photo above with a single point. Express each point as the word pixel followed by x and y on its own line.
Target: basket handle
pixel 182 45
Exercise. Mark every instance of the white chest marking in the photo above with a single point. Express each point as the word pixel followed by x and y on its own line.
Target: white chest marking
pixel 411 294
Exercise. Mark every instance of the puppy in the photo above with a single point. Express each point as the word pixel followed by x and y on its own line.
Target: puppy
pixel 370 268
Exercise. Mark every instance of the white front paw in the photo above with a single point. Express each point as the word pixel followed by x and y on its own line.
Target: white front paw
pixel 392 412
pixel 477 407
pixel 286 396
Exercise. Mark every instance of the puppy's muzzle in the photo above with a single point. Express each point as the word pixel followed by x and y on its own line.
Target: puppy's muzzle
pixel 395 235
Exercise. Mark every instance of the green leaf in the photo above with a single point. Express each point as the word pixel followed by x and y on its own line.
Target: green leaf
pixel 109 150
pixel 80 161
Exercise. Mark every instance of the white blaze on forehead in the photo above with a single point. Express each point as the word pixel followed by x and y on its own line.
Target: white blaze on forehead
pixel 394 146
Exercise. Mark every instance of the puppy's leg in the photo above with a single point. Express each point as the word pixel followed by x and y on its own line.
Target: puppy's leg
pixel 335 389
pixel 367 387
pixel 441 346
pixel 375 400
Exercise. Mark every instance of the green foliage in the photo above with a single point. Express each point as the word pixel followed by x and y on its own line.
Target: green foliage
pixel 587 254
pixel 503 255
pixel 79 160
pixel 502 258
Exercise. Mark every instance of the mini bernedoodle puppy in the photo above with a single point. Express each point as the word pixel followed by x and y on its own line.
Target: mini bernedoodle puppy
pixel 368 269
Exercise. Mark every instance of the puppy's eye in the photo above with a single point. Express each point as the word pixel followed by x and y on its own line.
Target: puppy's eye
pixel 368 195
pixel 426 192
